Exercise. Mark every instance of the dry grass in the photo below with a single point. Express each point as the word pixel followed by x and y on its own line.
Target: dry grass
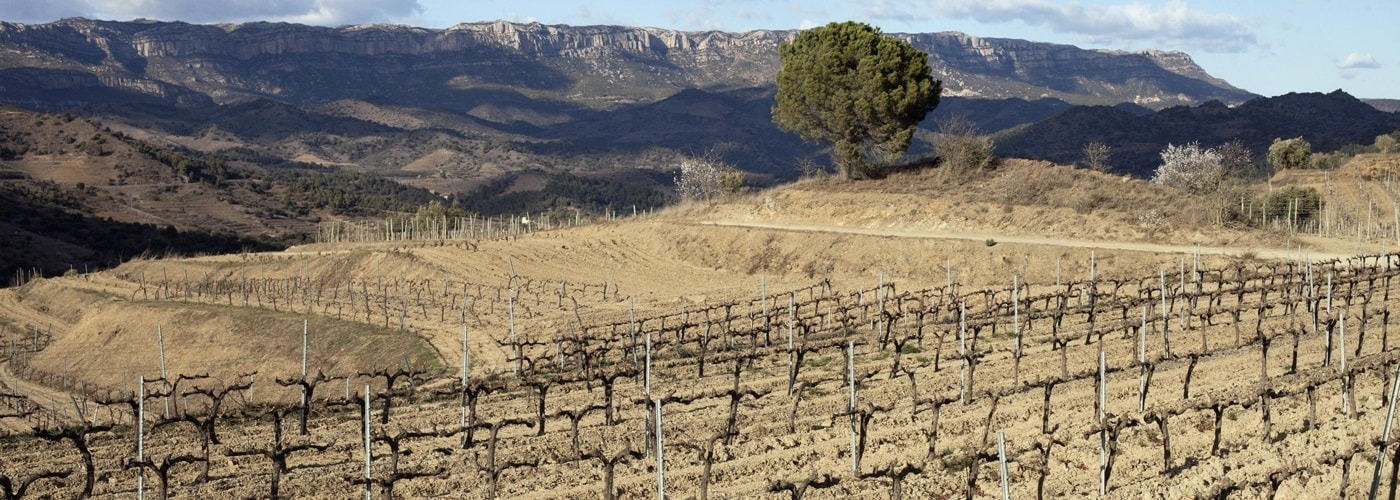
pixel 116 342
pixel 1018 197
pixel 668 261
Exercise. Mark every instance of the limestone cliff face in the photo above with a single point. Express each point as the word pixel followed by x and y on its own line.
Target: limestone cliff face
pixel 307 64
pixel 998 68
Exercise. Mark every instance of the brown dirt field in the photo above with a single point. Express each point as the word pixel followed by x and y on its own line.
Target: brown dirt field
pixel 372 304
pixel 431 163
pixel 64 169
pixel 174 204
pixel 374 113
pixel 311 158
pixel 526 183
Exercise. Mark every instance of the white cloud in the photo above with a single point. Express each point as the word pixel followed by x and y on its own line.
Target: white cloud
pixel 807 24
pixel 1171 24
pixel 1357 60
pixel 335 12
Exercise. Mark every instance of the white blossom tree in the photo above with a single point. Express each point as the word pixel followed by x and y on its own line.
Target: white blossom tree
pixel 699 180
pixel 1190 168
pixel 704 179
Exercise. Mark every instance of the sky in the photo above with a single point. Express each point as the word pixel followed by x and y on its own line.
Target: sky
pixel 1269 47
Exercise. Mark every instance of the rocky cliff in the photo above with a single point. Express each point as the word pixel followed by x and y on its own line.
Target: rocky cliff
pixel 192 65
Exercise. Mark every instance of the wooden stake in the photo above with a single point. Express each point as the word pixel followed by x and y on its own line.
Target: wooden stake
pixel 514 343
pixel 1181 276
pixel 1103 462
pixel 1196 266
pixel 304 325
pixel 1102 388
pixel 1385 436
pixel 1166 335
pixel 1016 321
pixel 792 317
pixel 1103 428
pixel 160 342
pixel 660 457
pixel 851 406
pixel 632 319
pixel 763 296
pixel 648 366
pixel 962 353
pixel 1001 456
pixel 466 374
pixel 1142 362
pixel 368 452
pixel 1093 267
pixel 880 299
pixel 1327 345
pixel 141 436
pixel 1329 292
pixel 1342 352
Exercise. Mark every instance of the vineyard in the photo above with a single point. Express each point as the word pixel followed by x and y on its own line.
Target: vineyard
pixel 459 369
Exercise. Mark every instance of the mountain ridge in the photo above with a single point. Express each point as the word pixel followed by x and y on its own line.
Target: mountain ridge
pixel 600 65
pixel 1327 121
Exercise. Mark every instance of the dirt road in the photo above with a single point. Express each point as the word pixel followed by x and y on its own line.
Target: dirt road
pixel 58 403
pixel 1266 253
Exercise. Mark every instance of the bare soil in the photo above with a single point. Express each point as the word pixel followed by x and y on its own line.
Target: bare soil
pixel 682 277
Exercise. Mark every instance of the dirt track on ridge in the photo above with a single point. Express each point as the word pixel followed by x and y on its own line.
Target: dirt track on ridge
pixel 57 402
pixel 1267 253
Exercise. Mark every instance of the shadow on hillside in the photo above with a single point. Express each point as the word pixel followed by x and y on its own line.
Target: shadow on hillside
pixel 35 236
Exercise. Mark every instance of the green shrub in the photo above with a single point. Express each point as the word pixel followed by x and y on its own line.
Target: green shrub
pixel 1387 144
pixel 1328 161
pixel 1290 153
pixel 1281 204
pixel 732 182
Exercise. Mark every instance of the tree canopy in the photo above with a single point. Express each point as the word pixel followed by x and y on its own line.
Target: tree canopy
pixel 1289 153
pixel 850 86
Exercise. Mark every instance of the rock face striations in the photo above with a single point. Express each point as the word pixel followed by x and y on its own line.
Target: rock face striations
pixel 197 65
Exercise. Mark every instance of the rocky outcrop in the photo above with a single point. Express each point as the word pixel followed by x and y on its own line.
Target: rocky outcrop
pixel 311 65
pixel 1002 68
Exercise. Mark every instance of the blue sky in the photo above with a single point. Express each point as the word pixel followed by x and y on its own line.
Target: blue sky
pixel 1268 47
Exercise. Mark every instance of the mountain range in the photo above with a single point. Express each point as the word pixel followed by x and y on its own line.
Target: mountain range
pixel 262 129
pixel 1327 121
pixel 449 109
pixel 214 137
pixel 457 68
